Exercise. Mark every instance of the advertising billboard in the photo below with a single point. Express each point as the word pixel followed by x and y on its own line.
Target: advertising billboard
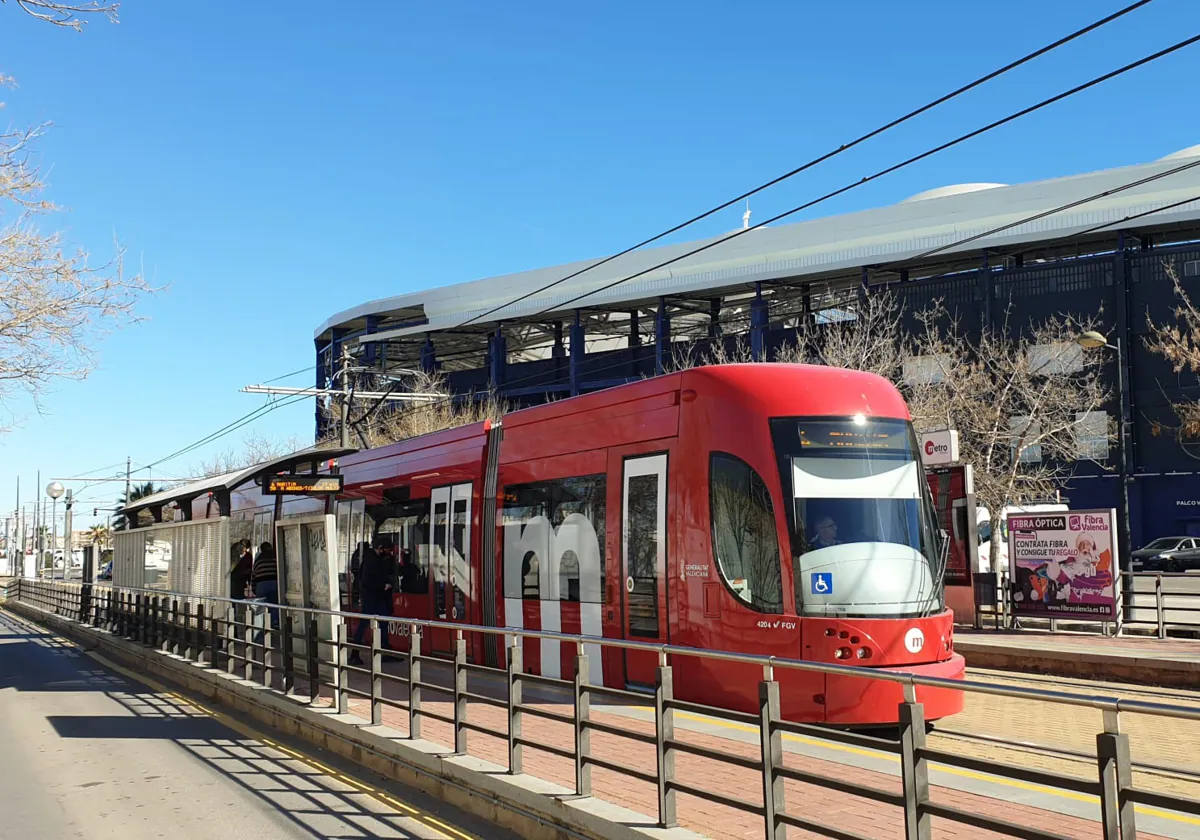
pixel 1064 565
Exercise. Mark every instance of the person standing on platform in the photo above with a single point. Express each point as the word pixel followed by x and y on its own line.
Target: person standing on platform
pixel 265 578
pixel 375 588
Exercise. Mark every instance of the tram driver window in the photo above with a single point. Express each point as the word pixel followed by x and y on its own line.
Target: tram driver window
pixel 554 539
pixel 745 544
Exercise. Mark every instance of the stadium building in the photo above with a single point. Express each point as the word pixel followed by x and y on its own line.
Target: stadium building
pixel 1066 245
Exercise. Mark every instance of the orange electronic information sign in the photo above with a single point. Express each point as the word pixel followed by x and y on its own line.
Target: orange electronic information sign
pixel 302 485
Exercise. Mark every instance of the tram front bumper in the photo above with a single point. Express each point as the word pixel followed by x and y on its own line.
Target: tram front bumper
pixel 859 701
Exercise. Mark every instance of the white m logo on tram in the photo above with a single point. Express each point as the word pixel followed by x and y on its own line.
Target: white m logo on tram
pixel 558 560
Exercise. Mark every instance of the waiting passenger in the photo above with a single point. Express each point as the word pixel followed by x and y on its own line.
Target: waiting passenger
pixel 375 586
pixel 265 578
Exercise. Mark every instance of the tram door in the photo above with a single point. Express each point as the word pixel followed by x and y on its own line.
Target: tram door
pixel 644 561
pixel 450 560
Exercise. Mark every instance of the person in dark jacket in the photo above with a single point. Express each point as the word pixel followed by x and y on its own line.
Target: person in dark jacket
pixel 239 570
pixel 265 578
pixel 375 586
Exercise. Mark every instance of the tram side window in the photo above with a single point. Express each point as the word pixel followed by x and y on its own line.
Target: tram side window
pixel 554 539
pixel 745 543
pixel 406 524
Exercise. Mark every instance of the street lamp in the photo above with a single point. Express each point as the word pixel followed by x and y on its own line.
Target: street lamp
pixel 55 490
pixel 1092 340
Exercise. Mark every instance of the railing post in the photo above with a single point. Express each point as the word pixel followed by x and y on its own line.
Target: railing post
pixel 1116 778
pixel 914 768
pixel 248 646
pixel 341 677
pixel 460 697
pixel 214 639
pixel 268 652
pixel 288 624
pixel 772 757
pixel 142 634
pixel 176 631
pixel 376 670
pixel 583 734
pixel 514 703
pixel 414 686
pixel 1158 603
pixel 314 675
pixel 664 733
pixel 189 648
pixel 230 639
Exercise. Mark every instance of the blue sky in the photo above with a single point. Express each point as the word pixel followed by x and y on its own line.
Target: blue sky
pixel 275 163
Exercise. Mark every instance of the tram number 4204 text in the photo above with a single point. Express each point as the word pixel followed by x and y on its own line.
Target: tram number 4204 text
pixel 777 625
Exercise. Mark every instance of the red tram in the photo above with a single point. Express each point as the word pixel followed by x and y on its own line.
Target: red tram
pixel 768 509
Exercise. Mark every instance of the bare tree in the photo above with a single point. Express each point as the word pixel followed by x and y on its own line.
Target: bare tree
pixel 68 15
pixel 1026 410
pixel 1179 344
pixel 54 303
pixel 255 449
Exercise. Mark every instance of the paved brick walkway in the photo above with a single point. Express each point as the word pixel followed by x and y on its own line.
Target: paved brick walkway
pixel 845 811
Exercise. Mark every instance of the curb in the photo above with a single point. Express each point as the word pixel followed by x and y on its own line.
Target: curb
pixel 1107 667
pixel 529 806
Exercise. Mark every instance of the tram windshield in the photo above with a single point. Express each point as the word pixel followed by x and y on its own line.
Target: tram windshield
pixel 863 533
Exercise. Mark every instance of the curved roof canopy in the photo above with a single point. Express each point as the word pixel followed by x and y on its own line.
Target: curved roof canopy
pixel 810 250
pixel 219 485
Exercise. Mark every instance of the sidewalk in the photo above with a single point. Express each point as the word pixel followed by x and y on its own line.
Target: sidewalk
pixel 1133 659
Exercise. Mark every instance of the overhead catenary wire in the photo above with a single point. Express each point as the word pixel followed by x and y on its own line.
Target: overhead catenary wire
pixel 703 328
pixel 845 147
pixel 1187 42
pixel 867 179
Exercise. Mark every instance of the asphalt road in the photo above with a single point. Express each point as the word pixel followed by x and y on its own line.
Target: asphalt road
pixel 87 752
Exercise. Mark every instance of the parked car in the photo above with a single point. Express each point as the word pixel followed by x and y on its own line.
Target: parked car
pixel 1168 554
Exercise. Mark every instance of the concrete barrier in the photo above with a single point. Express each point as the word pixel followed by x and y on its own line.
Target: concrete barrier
pixel 529 806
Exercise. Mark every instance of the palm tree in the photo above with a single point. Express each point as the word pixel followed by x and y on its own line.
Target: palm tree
pixel 137 491
pixel 100 536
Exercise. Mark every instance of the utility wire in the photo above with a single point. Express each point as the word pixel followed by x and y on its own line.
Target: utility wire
pixel 867 179
pixel 703 328
pixel 887 171
pixel 845 147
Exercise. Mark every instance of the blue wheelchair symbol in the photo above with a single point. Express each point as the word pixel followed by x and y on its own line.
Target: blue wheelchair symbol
pixel 822 583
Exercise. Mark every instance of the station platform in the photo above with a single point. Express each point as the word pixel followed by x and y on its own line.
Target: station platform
pixel 1139 660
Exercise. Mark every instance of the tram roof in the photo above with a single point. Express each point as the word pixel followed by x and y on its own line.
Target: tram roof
pixel 232 480
pixel 809 250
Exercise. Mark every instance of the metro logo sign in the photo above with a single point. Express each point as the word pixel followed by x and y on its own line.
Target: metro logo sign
pixel 939 448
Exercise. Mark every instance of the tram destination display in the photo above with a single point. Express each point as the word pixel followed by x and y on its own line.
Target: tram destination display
pixel 1064 565
pixel 302 485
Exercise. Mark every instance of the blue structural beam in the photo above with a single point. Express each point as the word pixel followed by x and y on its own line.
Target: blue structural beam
pixel 576 358
pixel 428 356
pixel 371 349
pixel 759 318
pixel 498 360
pixel 662 336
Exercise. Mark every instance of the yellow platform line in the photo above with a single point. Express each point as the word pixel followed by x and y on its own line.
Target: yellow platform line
pixel 248 732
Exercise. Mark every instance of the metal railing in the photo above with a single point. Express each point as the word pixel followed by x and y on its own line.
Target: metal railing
pixel 1168 602
pixel 235 635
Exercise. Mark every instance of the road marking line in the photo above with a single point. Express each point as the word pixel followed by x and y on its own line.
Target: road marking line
pixel 252 734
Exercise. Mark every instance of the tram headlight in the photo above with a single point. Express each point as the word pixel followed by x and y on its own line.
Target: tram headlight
pixel 842 653
pixel 864 653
